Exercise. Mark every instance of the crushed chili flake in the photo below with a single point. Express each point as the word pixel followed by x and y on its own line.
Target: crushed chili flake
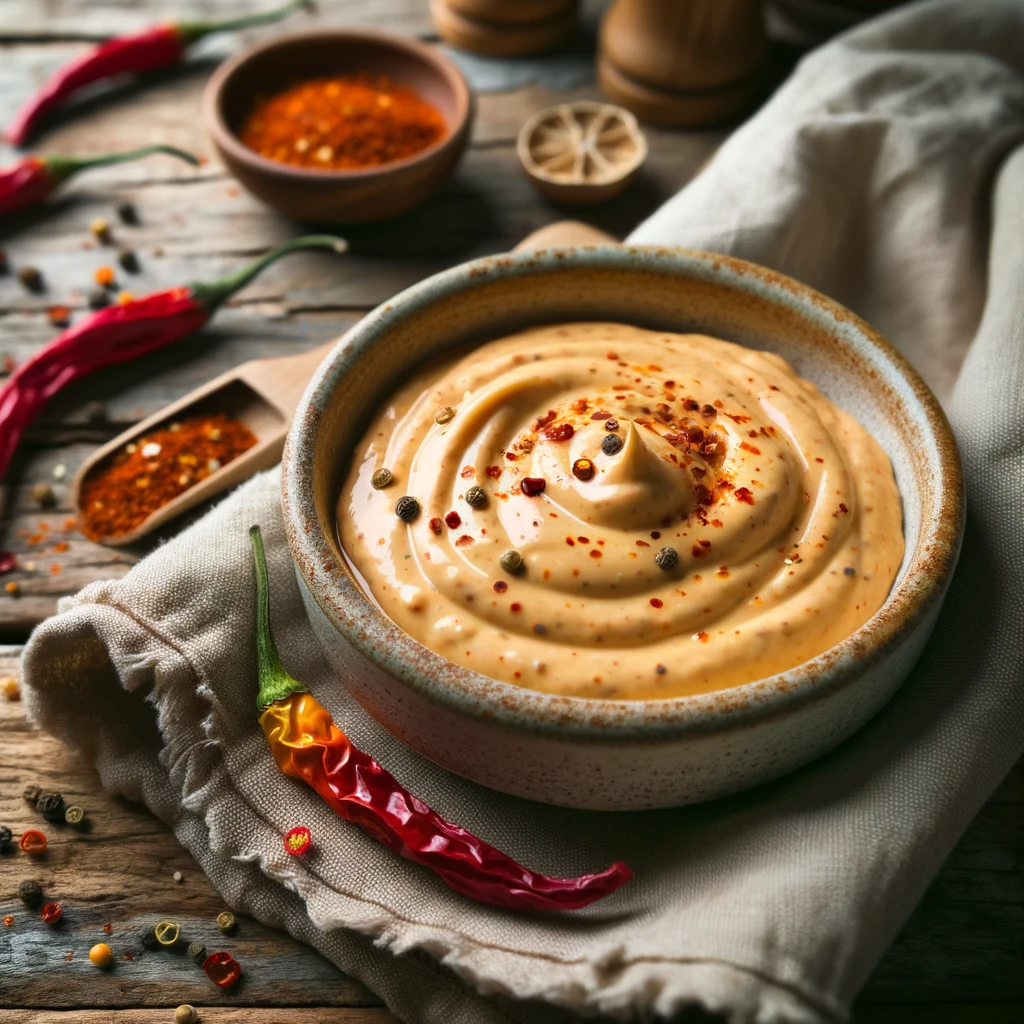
pixel 515 606
pixel 467 472
pixel 500 586
pixel 570 542
pixel 594 553
pixel 435 525
pixel 560 432
pixel 494 472
pixel 745 494
pixel 543 421
pixel 701 636
pixel 113 499
pixel 750 448
pixel 453 519
pixel 656 602
pixel 601 415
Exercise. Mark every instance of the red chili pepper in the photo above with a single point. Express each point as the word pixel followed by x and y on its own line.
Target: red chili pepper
pixel 32 841
pixel 148 50
pixel 51 913
pixel 33 178
pixel 119 333
pixel 222 969
pixel 297 840
pixel 307 745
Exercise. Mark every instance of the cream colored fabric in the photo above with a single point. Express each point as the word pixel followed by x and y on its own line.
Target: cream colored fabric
pixel 889 173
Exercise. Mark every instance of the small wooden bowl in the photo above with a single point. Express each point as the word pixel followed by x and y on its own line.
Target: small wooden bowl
pixel 332 196
pixel 581 153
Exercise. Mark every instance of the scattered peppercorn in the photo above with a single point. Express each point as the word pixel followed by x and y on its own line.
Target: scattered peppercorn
pixel 98 299
pixel 178 877
pixel 100 955
pixel 197 952
pixel 100 230
pixel 32 841
pixel 51 807
pixel 32 794
pixel 612 444
pixel 666 559
pixel 8 920
pixel 453 519
pixel 185 1014
pixel 611 424
pixel 148 939
pixel 105 277
pixel 407 508
pixel 226 922
pixel 127 213
pixel 532 486
pixel 297 840
pixel 167 932
pixel 222 969
pixel 660 669
pixel 51 913
pixel 31 278
pixel 12 588
pixel 583 469
pixel 476 497
pixel 60 316
pixel 30 892
pixel 128 260
pixel 511 561
pixel 382 478
pixel 444 414
pixel 10 687
pixel 43 496
pixel 124 298
pixel 6 835
pixel 74 816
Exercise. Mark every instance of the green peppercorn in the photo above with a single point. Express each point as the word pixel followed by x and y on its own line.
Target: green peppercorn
pixel 185 1014
pixel 476 497
pixel 32 794
pixel 30 892
pixel 197 952
pixel 407 508
pixel 226 922
pixel 382 478
pixel 511 561
pixel 444 415
pixel 148 939
pixel 74 816
pixel 667 559
pixel 51 807
pixel 612 444
pixel 6 835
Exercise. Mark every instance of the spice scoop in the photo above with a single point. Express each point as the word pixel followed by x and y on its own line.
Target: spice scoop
pixel 261 395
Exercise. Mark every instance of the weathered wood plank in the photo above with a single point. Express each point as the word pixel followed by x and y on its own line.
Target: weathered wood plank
pixel 209 1015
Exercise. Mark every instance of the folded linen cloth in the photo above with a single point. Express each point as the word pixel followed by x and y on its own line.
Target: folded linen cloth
pixel 888 172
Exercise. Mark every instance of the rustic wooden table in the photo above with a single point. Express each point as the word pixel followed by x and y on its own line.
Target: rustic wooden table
pixel 959 958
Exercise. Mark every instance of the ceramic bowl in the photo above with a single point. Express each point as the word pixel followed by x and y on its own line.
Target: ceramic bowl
pixel 349 196
pixel 607 754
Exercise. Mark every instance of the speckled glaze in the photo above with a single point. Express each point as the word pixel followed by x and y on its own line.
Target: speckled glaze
pixel 621 754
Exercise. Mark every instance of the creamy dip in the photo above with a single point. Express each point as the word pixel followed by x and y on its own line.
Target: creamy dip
pixel 690 514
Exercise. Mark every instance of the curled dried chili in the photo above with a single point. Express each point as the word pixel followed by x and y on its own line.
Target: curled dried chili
pixel 33 178
pixel 122 332
pixel 159 46
pixel 307 745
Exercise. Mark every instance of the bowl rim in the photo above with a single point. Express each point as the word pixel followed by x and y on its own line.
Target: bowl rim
pixel 469 693
pixel 226 140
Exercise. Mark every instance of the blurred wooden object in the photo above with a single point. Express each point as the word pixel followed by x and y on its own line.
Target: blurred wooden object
pixel 681 63
pixel 504 28
pixel 811 21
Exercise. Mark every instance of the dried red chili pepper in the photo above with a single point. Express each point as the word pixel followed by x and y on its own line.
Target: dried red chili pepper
pixel 222 969
pixel 149 50
pixel 297 840
pixel 307 745
pixel 123 332
pixel 51 913
pixel 33 178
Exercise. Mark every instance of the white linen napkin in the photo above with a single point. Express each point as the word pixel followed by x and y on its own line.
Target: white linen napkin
pixel 889 173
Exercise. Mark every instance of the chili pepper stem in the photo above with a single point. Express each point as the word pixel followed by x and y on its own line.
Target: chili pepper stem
pixel 194 30
pixel 275 683
pixel 62 167
pixel 212 293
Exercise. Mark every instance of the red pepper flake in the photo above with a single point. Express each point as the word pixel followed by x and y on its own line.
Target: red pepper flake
pixel 297 840
pixel 511 456
pixel 8 563
pixel 702 636
pixel 543 421
pixel 744 494
pixel 500 586
pixel 723 572
pixel 750 448
pixel 819 460
pixel 129 956
pixel 570 542
pixel 464 541
pixel 453 519
pixel 54 570
pixel 594 553
pixel 494 472
pixel 435 525
pixel 643 544
pixel 222 969
pixel 703 495
pixel 738 418
pixel 656 602
pixel 560 432
pixel 697 551
pixel 601 415
pixel 612 355
pixel 51 913
pixel 9 920
pixel 60 316
pixel 532 486
pixel 583 540
pixel 843 509
pixel 60 547
pixel 108 927
pixel 515 606
pixel 467 472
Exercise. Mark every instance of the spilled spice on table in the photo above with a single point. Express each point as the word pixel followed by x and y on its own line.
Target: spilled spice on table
pixel 342 123
pixel 127 487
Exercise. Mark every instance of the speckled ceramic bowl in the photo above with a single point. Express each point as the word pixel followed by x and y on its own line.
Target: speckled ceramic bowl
pixel 621 754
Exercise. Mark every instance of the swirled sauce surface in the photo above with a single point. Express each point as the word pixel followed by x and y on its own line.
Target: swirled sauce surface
pixel 690 514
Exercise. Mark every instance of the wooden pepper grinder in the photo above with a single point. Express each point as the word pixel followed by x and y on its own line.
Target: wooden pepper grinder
pixel 681 63
pixel 504 28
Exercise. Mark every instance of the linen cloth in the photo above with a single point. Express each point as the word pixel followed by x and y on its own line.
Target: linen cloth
pixel 889 173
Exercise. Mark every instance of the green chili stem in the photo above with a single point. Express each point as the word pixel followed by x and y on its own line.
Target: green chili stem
pixel 212 293
pixel 275 683
pixel 62 167
pixel 192 31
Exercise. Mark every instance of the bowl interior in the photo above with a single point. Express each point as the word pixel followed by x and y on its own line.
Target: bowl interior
pixel 666 289
pixel 275 66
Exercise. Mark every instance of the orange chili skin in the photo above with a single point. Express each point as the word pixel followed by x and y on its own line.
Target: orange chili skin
pixel 307 745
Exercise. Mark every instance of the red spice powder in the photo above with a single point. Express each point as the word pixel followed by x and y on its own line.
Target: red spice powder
pixel 127 487
pixel 343 122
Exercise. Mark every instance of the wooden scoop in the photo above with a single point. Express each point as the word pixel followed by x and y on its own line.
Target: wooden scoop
pixel 263 395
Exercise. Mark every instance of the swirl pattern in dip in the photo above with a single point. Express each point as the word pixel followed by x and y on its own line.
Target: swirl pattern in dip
pixel 690 514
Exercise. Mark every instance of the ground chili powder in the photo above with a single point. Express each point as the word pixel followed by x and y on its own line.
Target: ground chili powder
pixel 342 123
pixel 127 487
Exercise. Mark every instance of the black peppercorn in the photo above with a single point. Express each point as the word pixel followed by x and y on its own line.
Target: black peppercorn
pixel 127 213
pixel 382 478
pixel 6 835
pixel 407 508
pixel 30 892
pixel 476 497
pixel 98 298
pixel 612 444
pixel 667 559
pixel 148 939
pixel 32 794
pixel 197 952
pixel 51 807
pixel 128 260
pixel 31 278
